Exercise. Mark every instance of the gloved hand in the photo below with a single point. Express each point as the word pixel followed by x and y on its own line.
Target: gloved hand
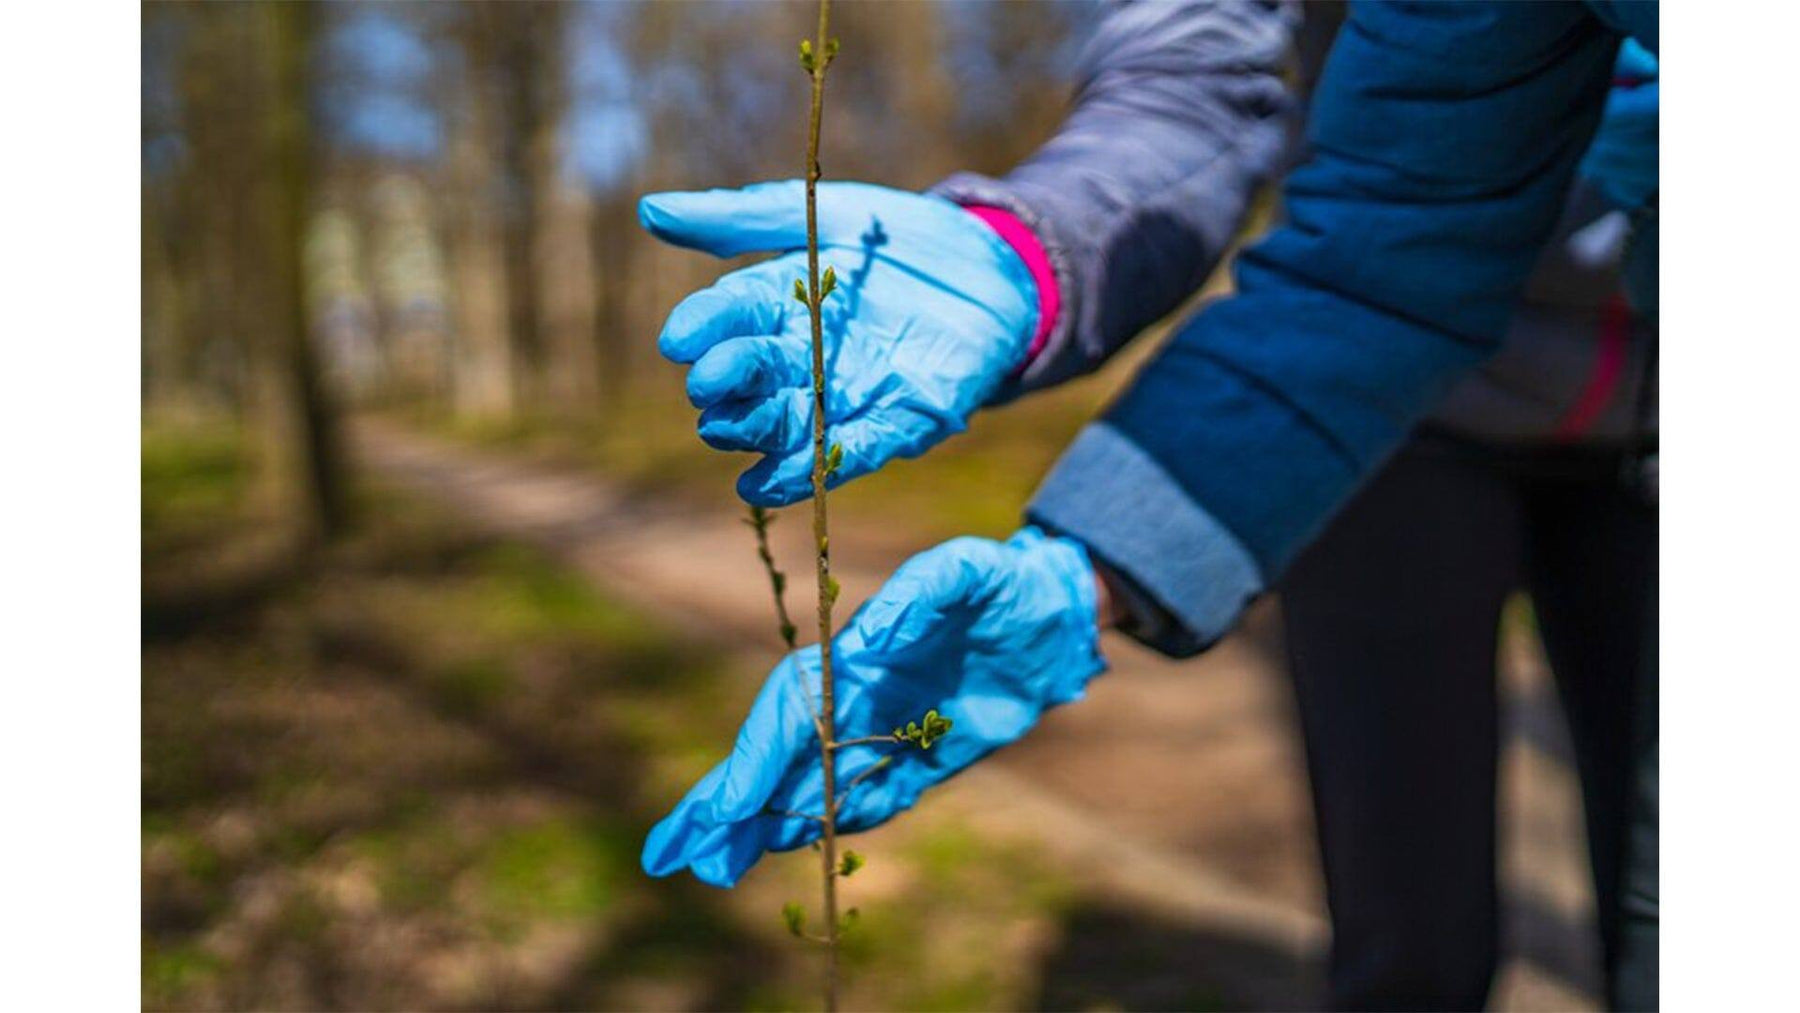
pixel 1622 158
pixel 989 634
pixel 932 311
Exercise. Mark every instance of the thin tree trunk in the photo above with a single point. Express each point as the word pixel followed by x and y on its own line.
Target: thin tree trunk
pixel 524 138
pixel 612 231
pixel 310 451
pixel 482 373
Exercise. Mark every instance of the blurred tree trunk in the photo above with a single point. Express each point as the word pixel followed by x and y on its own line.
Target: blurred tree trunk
pixel 559 209
pixel 565 265
pixel 218 116
pixel 614 239
pixel 161 313
pixel 525 146
pixel 482 381
pixel 912 38
pixel 306 461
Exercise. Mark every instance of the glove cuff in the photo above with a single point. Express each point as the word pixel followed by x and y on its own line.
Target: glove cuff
pixel 1067 562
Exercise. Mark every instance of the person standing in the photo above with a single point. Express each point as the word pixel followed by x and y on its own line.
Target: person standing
pixel 1443 142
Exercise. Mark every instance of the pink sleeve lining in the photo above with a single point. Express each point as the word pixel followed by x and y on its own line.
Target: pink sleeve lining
pixel 1019 236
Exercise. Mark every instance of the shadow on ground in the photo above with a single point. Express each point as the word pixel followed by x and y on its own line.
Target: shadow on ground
pixel 1117 959
pixel 410 772
pixel 414 771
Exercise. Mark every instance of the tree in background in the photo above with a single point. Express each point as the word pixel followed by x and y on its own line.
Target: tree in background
pixel 463 181
pixel 305 450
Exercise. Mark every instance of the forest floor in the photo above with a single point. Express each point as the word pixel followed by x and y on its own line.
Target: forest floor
pixel 1172 801
pixel 414 771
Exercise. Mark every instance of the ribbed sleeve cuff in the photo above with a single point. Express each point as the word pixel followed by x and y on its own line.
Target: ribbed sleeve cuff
pixel 971 189
pixel 1115 499
pixel 1025 243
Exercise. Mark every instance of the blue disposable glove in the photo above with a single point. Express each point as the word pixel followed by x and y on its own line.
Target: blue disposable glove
pixel 989 634
pixel 932 311
pixel 1622 159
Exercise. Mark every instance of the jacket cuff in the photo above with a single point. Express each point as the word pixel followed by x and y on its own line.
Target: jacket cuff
pixel 971 189
pixel 1187 569
pixel 1025 243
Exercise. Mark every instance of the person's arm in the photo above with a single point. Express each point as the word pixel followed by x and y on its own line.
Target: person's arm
pixel 1180 113
pixel 940 307
pixel 1443 137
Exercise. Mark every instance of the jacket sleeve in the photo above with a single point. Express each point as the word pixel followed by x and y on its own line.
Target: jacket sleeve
pixel 1180 112
pixel 1443 138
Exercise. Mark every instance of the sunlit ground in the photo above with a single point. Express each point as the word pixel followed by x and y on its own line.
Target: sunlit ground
pixel 415 772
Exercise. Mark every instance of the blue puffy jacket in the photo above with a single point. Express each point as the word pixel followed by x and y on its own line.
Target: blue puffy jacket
pixel 1442 142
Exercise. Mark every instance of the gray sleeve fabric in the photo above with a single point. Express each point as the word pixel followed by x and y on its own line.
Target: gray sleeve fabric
pixel 1180 113
pixel 1120 503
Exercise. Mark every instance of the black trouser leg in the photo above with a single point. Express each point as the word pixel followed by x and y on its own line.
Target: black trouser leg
pixel 1591 565
pixel 1391 622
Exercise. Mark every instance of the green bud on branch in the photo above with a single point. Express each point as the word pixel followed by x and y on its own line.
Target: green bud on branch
pixel 926 731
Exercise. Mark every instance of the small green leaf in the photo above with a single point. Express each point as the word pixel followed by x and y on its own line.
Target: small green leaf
pixel 834 458
pixel 849 863
pixel 800 291
pixel 926 731
pixel 795 917
pixel 827 283
pixel 935 727
pixel 807 60
pixel 831 50
pixel 849 920
pixel 832 588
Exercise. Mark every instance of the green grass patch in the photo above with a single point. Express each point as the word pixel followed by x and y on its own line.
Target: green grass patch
pixel 191 474
pixel 556 869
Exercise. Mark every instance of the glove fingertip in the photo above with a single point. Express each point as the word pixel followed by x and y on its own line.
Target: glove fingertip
pixel 654 214
pixel 662 853
pixel 758 487
pixel 720 434
pixel 720 373
pixel 692 328
pixel 718 869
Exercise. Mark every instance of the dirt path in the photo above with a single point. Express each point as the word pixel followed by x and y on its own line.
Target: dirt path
pixel 1175 788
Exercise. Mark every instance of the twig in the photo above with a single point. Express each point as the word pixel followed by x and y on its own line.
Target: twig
pixel 866 740
pixel 816 61
pixel 759 521
pixel 838 803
